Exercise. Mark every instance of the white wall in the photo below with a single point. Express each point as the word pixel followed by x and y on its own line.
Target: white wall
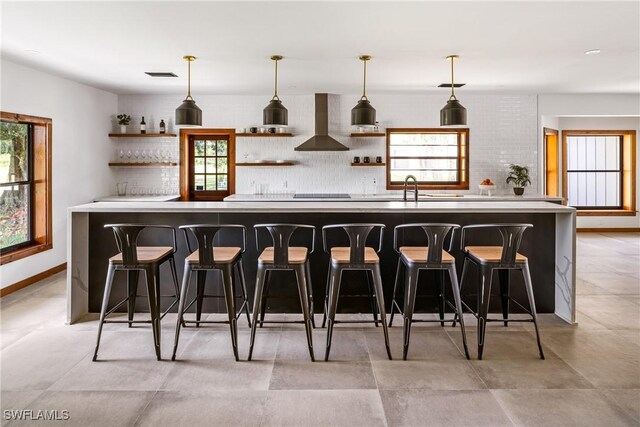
pixel 503 130
pixel 80 146
pixel 618 112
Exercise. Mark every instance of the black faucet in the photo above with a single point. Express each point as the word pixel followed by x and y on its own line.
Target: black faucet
pixel 415 187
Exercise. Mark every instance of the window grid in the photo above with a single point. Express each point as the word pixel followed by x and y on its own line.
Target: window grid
pixel 215 150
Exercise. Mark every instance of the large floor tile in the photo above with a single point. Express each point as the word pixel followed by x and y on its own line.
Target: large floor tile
pixel 615 283
pixel 442 408
pixel 205 408
pixel 561 408
pixel 424 343
pixel 307 375
pixel 16 401
pixel 92 408
pixel 614 312
pixel 611 371
pixel 35 313
pixel 578 343
pixel 626 399
pixel 346 344
pixel 523 373
pixel 426 374
pixel 218 375
pixel 323 408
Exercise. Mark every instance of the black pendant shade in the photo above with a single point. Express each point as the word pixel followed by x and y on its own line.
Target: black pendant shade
pixel 363 114
pixel 453 114
pixel 188 114
pixel 275 114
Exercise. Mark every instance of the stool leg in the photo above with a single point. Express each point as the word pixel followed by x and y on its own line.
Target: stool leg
pixel 334 289
pixel 186 278
pixel 301 280
pixel 227 284
pixel 532 303
pixel 174 274
pixel 326 297
pixel 484 295
pixel 201 279
pixel 132 289
pixel 307 272
pixel 372 295
pixel 503 276
pixel 265 293
pixel 257 301
pixel 377 283
pixel 152 292
pixel 243 283
pixel 395 288
pixel 105 303
pixel 462 281
pixel 410 289
pixel 441 304
pixel 456 296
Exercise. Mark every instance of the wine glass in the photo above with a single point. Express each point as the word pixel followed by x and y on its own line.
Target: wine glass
pixel 121 154
pixel 129 154
pixel 144 156
pixel 136 155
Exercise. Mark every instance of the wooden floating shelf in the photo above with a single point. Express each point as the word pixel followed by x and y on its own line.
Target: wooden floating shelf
pixel 367 135
pixel 368 164
pixel 267 135
pixel 140 164
pixel 285 163
pixel 141 135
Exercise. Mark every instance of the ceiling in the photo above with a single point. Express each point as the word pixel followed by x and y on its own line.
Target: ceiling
pixel 517 46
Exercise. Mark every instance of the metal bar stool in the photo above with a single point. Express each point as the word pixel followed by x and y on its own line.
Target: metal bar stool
pixel 430 257
pixel 502 258
pixel 282 256
pixel 357 256
pixel 206 257
pixel 133 259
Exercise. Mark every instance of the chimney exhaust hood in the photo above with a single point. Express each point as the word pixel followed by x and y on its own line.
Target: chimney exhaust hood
pixel 321 141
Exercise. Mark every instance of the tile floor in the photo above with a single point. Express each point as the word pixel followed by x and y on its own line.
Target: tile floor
pixel 591 376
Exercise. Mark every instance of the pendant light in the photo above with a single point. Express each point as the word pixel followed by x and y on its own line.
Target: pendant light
pixel 188 114
pixel 363 114
pixel 453 114
pixel 275 114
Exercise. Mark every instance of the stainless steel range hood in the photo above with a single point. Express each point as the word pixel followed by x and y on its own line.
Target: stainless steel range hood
pixel 321 141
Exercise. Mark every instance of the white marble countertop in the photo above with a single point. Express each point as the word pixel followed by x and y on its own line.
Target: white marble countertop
pixel 391 197
pixel 130 198
pixel 327 206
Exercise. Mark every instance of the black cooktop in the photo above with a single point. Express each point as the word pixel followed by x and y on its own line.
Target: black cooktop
pixel 321 196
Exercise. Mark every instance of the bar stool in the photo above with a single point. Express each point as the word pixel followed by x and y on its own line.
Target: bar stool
pixel 133 259
pixel 431 257
pixel 357 256
pixel 207 257
pixel 282 256
pixel 502 258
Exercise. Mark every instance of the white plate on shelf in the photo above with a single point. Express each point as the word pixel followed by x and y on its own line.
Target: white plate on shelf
pixel 263 161
pixel 281 161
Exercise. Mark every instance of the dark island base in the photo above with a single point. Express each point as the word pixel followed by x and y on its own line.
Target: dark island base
pixel 538 245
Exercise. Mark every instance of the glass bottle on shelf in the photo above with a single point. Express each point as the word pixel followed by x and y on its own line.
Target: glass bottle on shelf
pixel 143 126
pixel 163 128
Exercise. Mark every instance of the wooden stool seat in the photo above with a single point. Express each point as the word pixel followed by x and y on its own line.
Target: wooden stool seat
pixel 418 254
pixel 146 254
pixel 341 255
pixel 221 255
pixel 490 253
pixel 297 255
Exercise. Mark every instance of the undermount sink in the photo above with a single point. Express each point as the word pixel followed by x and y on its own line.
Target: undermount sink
pixel 440 195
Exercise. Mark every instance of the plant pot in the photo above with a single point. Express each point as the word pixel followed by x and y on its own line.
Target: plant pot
pixel 123 128
pixel 518 190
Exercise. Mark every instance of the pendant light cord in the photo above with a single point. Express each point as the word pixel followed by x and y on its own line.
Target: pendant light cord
pixel 364 82
pixel 453 96
pixel 189 59
pixel 275 85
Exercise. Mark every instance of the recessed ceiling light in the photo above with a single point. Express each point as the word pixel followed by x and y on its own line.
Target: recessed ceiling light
pixel 160 74
pixel 592 52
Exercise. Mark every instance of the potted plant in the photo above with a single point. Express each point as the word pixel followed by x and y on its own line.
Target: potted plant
pixel 519 176
pixel 123 121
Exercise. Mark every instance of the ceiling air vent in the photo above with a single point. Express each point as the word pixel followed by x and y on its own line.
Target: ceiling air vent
pixel 160 74
pixel 449 85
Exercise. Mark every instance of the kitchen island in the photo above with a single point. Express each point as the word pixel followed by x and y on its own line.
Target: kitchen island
pixel 550 246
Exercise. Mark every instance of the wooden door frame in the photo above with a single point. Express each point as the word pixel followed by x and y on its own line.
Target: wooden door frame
pixel 556 133
pixel 185 133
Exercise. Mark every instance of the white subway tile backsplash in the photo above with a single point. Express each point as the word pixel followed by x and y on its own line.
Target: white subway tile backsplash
pixel 502 130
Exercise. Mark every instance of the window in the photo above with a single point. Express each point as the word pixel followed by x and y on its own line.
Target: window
pixel 551 161
pixel 209 171
pixel 25 186
pixel 599 170
pixel 437 158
